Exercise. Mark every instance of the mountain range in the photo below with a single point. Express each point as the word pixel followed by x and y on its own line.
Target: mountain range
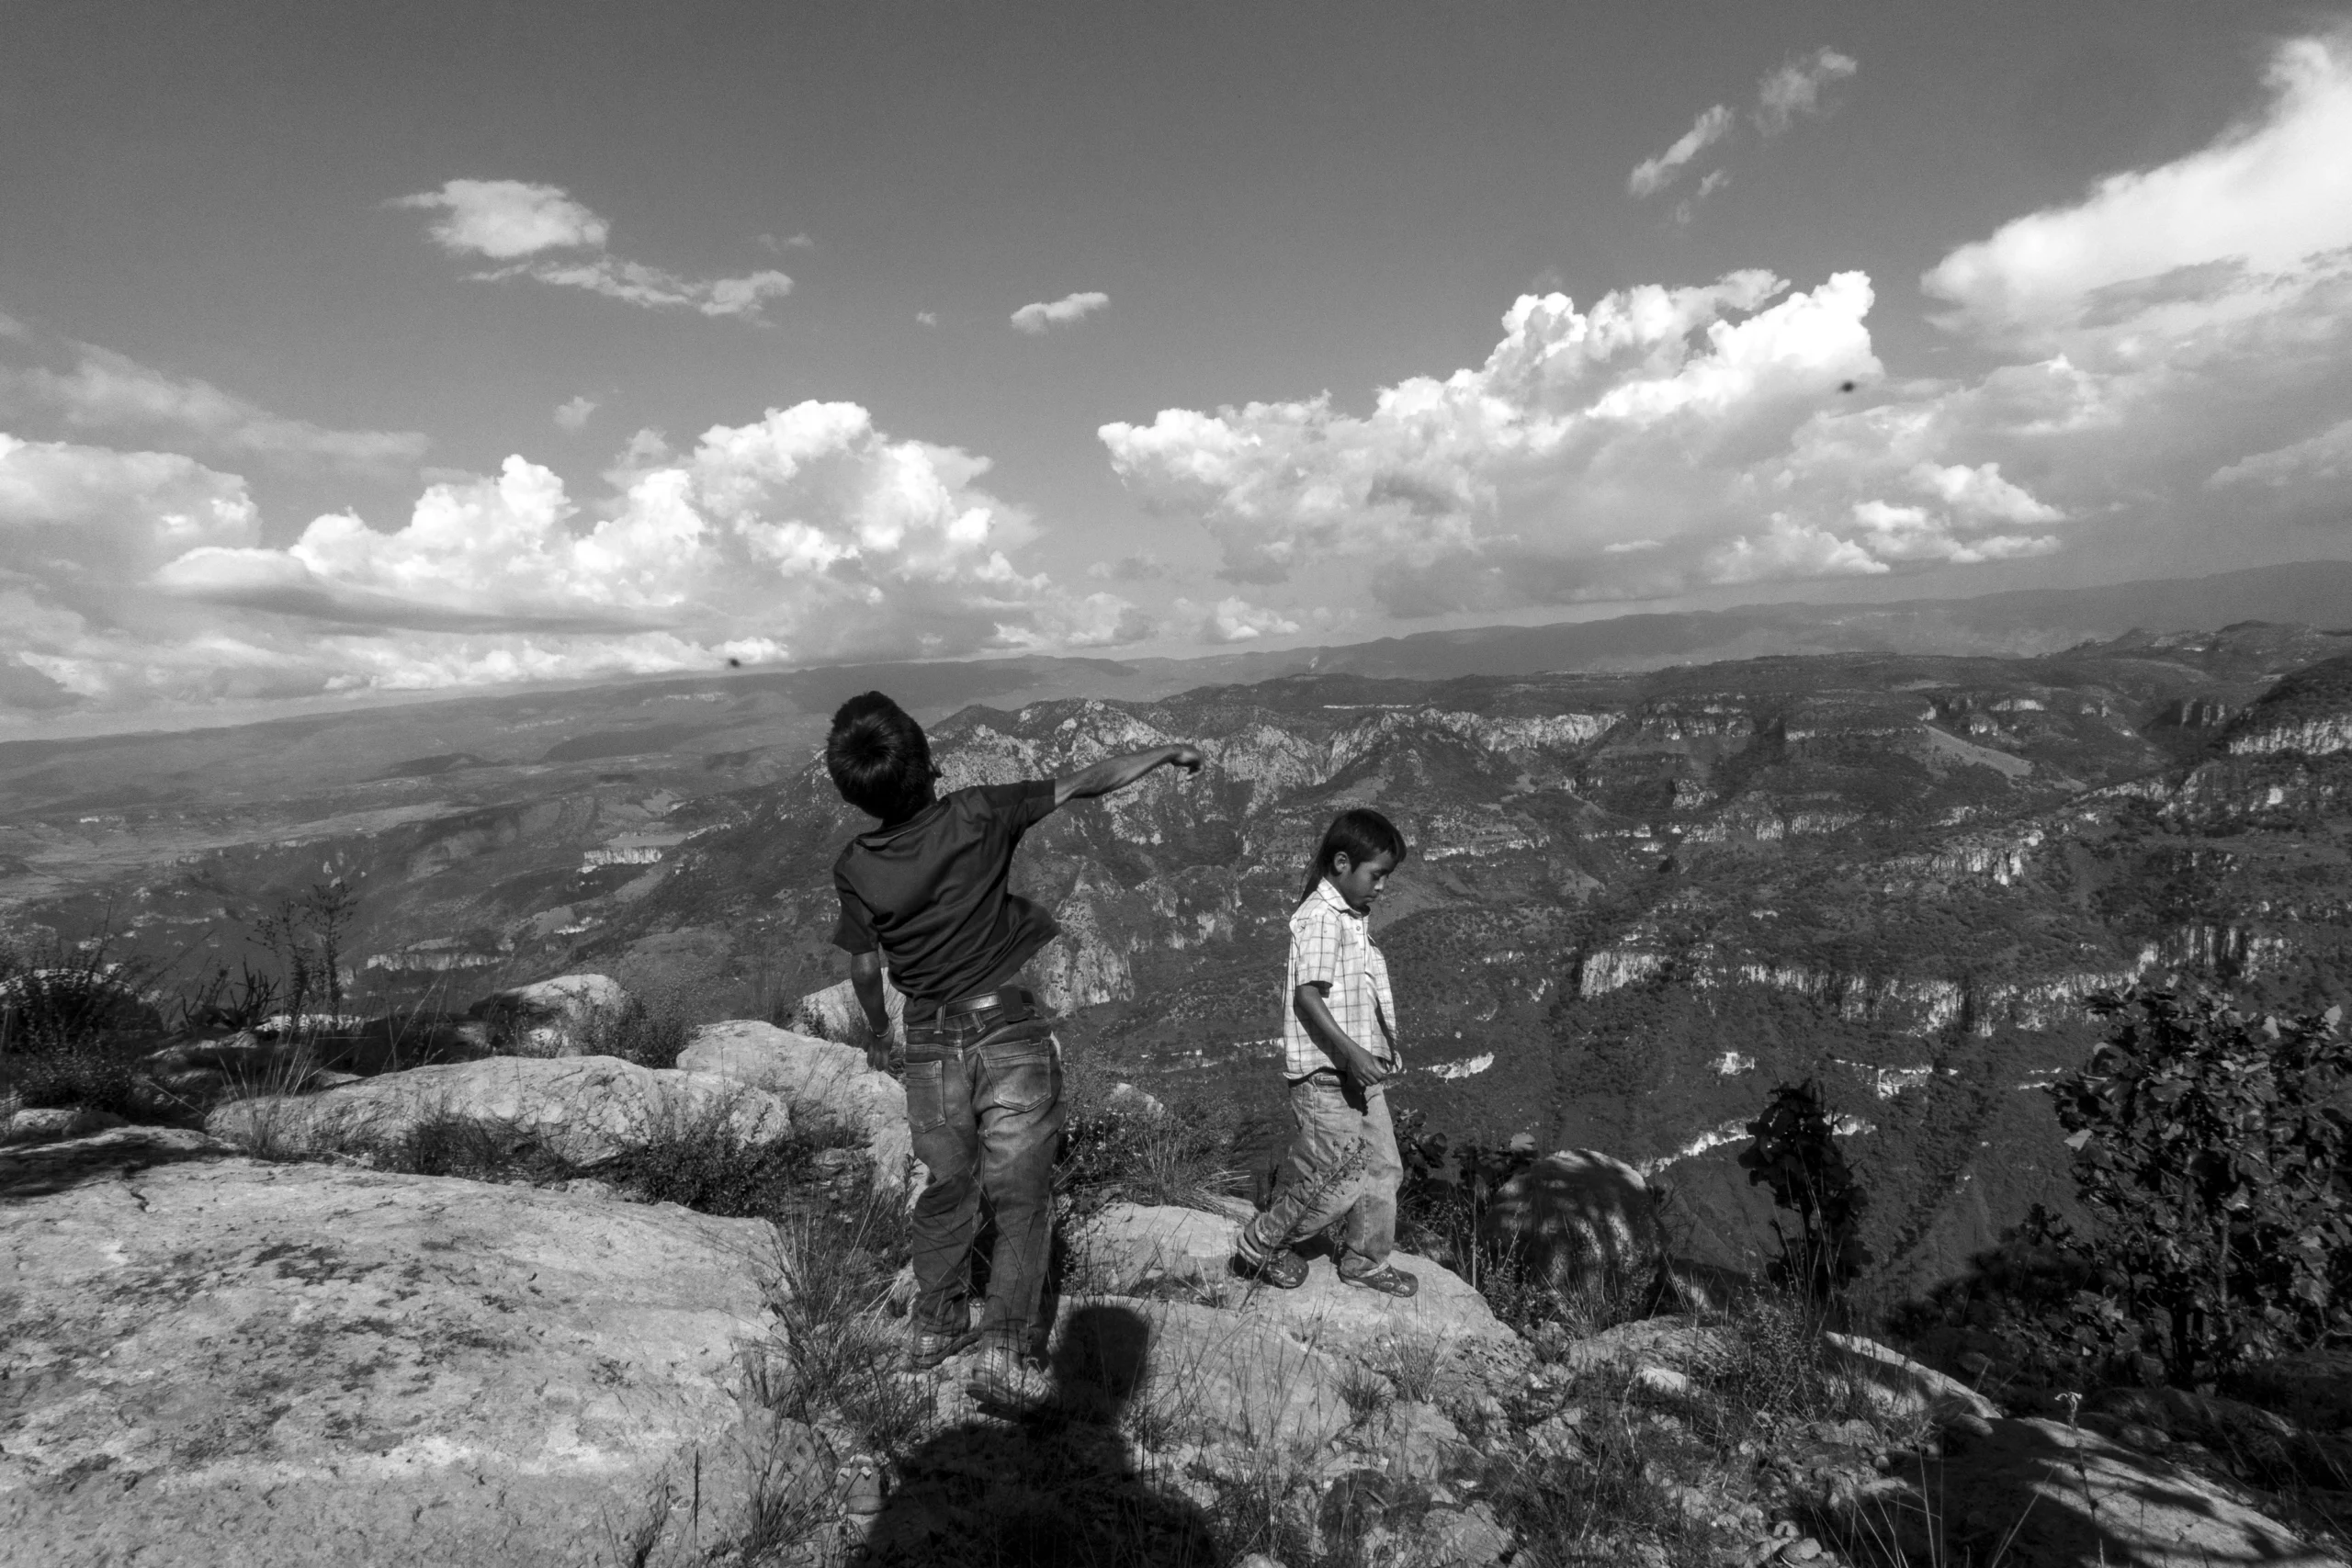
pixel 1638 897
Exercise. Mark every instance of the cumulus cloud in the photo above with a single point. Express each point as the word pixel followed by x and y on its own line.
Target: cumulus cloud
pixel 1654 175
pixel 104 391
pixel 518 222
pixel 1141 567
pixel 506 219
pixel 2195 238
pixel 1039 315
pixel 1793 92
pixel 1236 620
pixel 927 318
pixel 574 414
pixel 129 577
pixel 2158 344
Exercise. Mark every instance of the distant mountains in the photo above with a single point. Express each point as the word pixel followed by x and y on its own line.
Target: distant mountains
pixel 2022 623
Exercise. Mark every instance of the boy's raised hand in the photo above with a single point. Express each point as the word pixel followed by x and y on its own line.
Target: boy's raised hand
pixel 1114 774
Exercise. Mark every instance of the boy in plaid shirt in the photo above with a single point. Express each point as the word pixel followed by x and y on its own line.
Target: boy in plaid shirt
pixel 1339 1050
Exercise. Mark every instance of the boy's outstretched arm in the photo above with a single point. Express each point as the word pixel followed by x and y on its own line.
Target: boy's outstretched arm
pixel 1114 774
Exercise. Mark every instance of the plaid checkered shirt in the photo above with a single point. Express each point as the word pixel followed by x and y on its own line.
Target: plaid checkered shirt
pixel 1330 945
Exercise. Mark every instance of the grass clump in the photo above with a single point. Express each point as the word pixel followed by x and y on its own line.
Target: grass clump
pixel 1125 1147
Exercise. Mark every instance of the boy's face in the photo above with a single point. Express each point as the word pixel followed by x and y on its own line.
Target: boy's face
pixel 1360 882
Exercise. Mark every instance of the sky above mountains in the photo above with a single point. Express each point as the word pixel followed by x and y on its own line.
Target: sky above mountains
pixel 429 345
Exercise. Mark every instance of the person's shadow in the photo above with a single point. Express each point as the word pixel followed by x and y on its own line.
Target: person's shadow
pixel 1057 1488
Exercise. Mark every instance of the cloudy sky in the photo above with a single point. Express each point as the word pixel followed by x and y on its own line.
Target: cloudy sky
pixel 387 349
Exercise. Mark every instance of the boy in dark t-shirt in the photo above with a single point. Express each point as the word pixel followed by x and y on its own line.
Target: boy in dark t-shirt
pixel 926 893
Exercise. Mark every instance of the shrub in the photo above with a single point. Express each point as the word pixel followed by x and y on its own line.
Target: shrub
pixel 1794 1152
pixel 2211 1154
pixel 649 1036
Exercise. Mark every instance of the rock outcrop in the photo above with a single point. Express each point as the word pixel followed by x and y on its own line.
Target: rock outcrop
pixel 1446 1334
pixel 222 1362
pixel 582 1110
pixel 563 1017
pixel 821 1078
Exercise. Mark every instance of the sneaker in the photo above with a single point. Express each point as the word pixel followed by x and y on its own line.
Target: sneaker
pixel 1007 1379
pixel 1388 1280
pixel 933 1345
pixel 1283 1270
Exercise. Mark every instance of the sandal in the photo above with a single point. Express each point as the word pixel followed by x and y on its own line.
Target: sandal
pixel 1283 1270
pixel 1388 1280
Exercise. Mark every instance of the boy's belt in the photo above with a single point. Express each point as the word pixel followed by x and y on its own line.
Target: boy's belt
pixel 981 1007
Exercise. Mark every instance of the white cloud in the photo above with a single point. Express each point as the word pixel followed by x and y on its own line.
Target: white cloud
pixel 517 222
pixel 1038 316
pixel 2187 239
pixel 637 284
pixel 1793 91
pixel 1237 620
pixel 1654 175
pixel 789 243
pixel 1785 96
pixel 506 219
pixel 129 578
pixel 574 414
pixel 108 391
pixel 2316 461
pixel 1665 439
pixel 927 318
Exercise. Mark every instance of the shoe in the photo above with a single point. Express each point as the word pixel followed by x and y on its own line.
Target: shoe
pixel 1285 1269
pixel 933 1345
pixel 1387 1279
pixel 1006 1379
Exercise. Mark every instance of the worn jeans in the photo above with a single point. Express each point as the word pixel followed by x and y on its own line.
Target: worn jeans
pixel 1343 1161
pixel 985 1106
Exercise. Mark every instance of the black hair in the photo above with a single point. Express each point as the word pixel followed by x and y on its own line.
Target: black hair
pixel 879 757
pixel 1360 833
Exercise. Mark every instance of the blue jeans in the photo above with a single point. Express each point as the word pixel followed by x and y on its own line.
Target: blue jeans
pixel 985 1107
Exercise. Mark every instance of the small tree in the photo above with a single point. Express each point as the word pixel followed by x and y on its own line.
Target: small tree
pixel 1795 1153
pixel 2211 1154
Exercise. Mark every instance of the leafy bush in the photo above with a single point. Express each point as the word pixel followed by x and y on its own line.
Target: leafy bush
pixel 2212 1154
pixel 649 1036
pixel 1794 1152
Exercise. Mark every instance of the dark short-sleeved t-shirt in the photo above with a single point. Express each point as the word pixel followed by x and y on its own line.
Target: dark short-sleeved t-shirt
pixel 931 894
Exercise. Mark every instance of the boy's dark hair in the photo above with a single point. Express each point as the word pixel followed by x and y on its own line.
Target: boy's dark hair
pixel 879 757
pixel 1359 833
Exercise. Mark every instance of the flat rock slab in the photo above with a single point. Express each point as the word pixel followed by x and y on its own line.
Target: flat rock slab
pixel 2065 1499
pixel 219 1362
pixel 584 1109
pixel 1129 1247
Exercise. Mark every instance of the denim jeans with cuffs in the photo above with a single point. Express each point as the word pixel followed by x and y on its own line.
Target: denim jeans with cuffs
pixel 985 1106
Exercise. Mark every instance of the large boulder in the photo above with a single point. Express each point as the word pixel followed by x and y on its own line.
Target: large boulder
pixel 224 1361
pixel 584 1110
pixel 1445 1335
pixel 2042 1494
pixel 1577 1217
pixel 571 1015
pixel 820 1079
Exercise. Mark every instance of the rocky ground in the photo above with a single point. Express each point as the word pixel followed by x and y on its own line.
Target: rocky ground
pixel 440 1313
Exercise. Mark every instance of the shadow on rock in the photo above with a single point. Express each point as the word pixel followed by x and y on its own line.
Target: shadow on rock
pixel 1057 1489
